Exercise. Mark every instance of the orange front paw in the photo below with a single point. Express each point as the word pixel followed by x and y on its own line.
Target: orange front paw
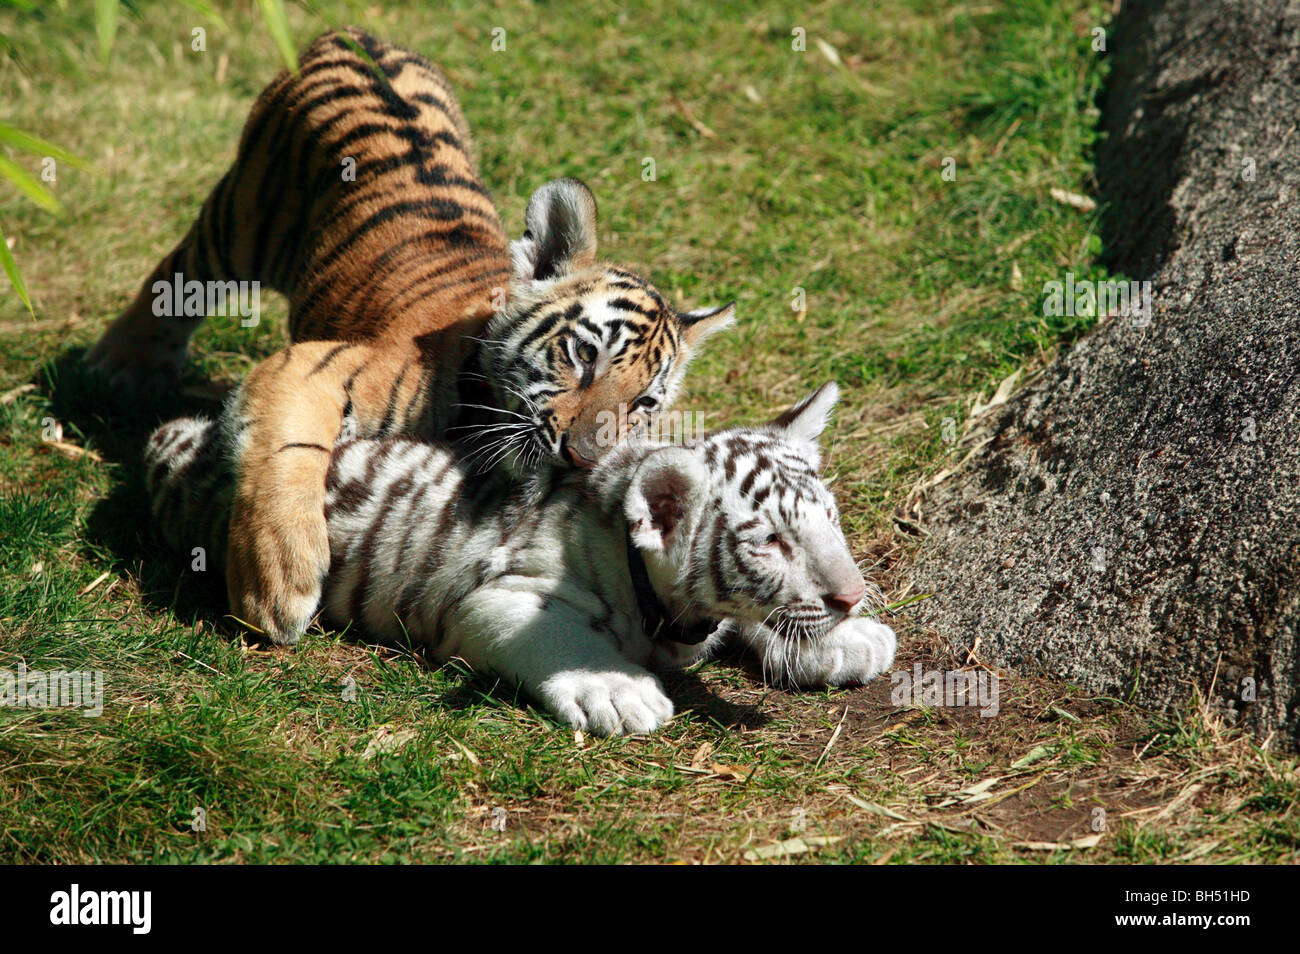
pixel 276 565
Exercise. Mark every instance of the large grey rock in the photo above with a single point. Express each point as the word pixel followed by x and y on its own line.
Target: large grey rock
pixel 1133 524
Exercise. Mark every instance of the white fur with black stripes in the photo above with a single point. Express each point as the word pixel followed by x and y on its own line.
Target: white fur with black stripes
pixel 535 587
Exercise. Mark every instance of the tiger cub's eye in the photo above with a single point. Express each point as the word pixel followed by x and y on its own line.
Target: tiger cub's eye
pixel 586 353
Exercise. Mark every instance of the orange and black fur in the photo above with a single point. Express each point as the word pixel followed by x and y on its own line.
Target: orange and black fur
pixel 355 194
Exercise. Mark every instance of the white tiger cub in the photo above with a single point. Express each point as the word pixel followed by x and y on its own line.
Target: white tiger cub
pixel 575 590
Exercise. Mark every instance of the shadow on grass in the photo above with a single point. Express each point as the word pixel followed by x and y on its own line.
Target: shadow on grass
pixel 687 690
pixel 690 694
pixel 116 424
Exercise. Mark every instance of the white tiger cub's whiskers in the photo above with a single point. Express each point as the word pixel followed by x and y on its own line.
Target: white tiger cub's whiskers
pixel 537 585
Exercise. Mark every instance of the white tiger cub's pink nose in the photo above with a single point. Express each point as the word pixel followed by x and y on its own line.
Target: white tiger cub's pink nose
pixel 846 601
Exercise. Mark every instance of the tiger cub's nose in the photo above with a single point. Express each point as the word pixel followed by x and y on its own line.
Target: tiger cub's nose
pixel 579 460
pixel 844 602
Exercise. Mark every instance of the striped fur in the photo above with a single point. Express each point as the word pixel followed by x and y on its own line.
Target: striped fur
pixel 355 194
pixel 536 588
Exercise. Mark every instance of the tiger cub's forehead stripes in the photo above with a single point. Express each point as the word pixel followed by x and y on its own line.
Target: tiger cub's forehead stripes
pixel 608 308
pixel 767 471
pixel 769 533
pixel 620 315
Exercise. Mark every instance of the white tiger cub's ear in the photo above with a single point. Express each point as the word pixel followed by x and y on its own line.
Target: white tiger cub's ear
pixel 805 421
pixel 559 232
pixel 665 490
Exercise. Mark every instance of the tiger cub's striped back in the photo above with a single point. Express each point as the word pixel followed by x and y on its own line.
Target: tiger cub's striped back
pixel 385 217
pixel 355 193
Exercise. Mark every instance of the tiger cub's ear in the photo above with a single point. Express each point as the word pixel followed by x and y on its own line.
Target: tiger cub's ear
pixel 702 322
pixel 804 422
pixel 665 490
pixel 559 232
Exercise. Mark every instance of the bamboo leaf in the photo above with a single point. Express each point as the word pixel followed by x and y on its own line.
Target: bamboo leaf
pixel 361 53
pixel 278 25
pixel 205 9
pixel 105 26
pixel 28 184
pixel 11 269
pixel 42 147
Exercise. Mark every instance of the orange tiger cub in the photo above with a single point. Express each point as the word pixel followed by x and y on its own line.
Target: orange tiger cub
pixel 354 193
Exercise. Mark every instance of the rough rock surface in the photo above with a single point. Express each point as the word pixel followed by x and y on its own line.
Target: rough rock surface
pixel 1133 523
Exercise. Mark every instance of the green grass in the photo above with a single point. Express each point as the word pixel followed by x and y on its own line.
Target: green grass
pixel 775 169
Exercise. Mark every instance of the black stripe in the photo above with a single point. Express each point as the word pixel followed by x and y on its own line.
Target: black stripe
pixel 297 445
pixel 416 292
pixel 627 304
pixel 431 209
pixel 330 355
pixel 391 408
pixel 365 554
pixel 720 587
pixel 543 327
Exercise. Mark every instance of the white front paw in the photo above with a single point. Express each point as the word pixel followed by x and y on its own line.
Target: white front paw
pixel 607 703
pixel 856 650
